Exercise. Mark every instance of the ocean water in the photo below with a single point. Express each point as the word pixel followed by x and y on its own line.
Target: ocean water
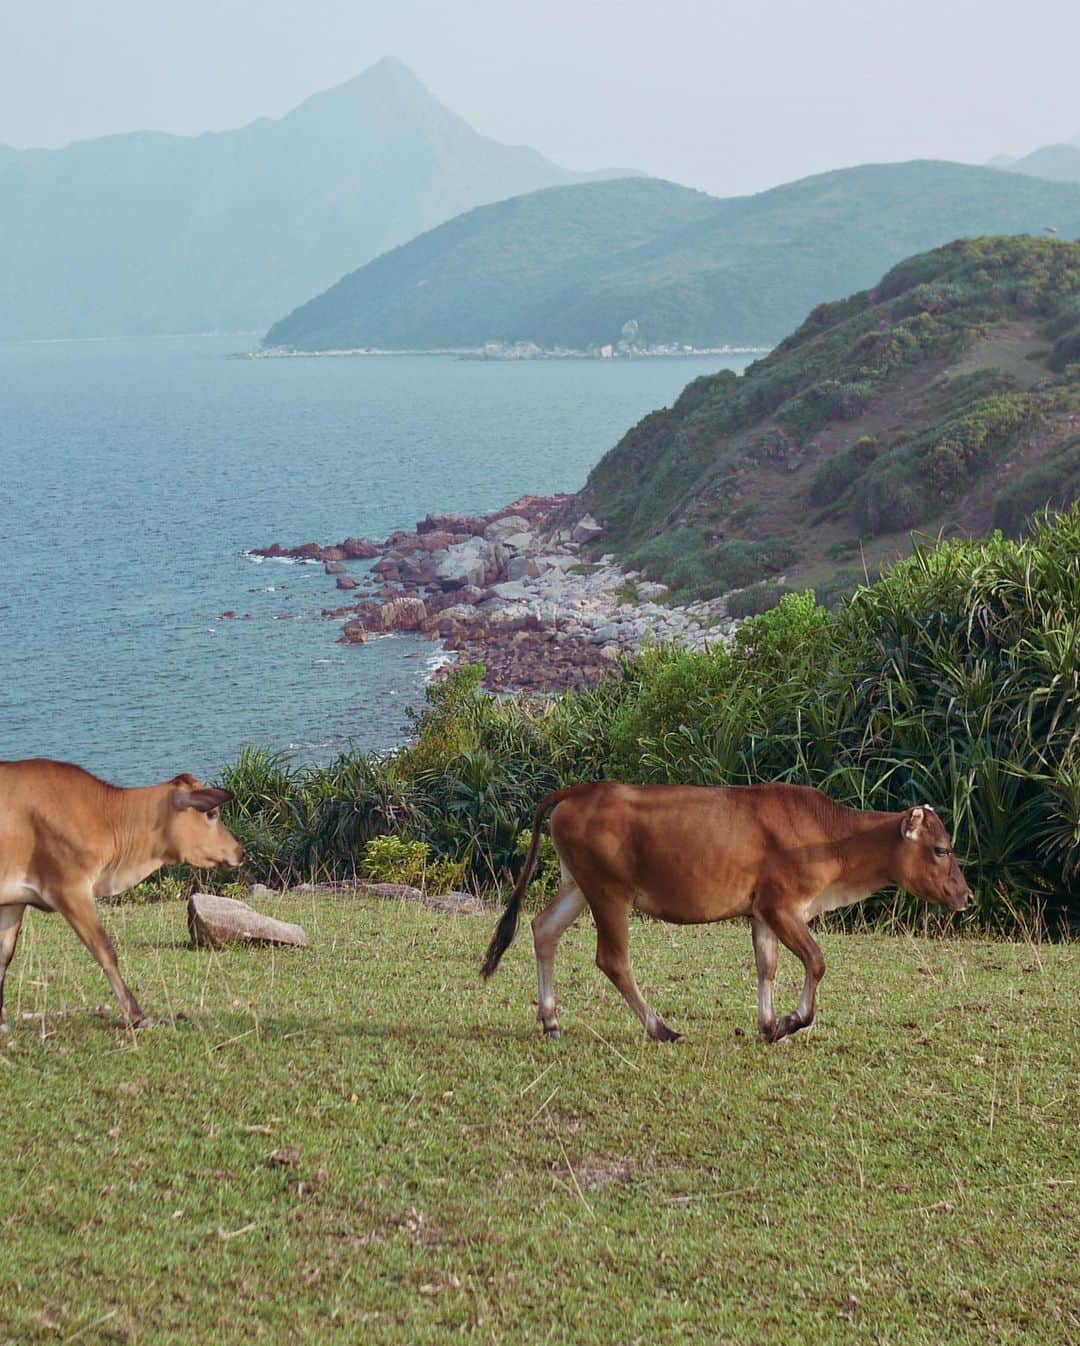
pixel 135 475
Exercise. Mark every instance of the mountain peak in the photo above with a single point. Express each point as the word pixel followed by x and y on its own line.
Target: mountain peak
pixel 388 79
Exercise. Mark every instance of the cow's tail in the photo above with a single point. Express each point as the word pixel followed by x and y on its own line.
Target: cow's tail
pixel 508 921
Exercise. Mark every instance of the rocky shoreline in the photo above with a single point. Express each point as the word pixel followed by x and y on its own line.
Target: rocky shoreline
pixel 514 589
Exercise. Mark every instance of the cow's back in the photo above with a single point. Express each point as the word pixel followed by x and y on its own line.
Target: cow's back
pixel 690 854
pixel 52 815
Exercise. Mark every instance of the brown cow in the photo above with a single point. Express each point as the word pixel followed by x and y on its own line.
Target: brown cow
pixel 67 837
pixel 778 854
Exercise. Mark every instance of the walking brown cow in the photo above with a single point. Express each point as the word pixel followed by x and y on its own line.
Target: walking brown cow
pixel 67 837
pixel 778 854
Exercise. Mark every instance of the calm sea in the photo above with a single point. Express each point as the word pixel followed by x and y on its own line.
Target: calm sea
pixel 133 476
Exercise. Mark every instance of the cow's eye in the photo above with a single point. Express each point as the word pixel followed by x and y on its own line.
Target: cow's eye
pixel 941 852
pixel 213 815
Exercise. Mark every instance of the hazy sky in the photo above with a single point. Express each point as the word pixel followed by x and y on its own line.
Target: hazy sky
pixel 726 97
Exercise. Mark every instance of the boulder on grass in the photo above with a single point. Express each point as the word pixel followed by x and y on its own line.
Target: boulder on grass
pixel 214 921
pixel 454 904
pixel 402 892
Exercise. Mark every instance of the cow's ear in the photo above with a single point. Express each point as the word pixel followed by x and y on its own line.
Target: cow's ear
pixel 204 800
pixel 912 822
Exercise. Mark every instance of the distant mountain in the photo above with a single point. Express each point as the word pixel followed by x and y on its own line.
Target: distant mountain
pixel 148 233
pixel 512 271
pixel 573 266
pixel 947 398
pixel 1056 163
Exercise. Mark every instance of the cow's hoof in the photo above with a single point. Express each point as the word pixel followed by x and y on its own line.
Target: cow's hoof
pixel 662 1033
pixel 790 1023
pixel 144 1022
pixel 554 1033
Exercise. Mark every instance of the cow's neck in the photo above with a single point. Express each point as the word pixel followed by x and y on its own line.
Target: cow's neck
pixel 137 834
pixel 864 862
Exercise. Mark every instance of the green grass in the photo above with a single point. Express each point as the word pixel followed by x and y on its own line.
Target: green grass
pixel 905 1172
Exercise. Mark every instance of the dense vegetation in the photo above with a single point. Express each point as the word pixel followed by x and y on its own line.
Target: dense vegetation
pixel 947 397
pixel 954 679
pixel 572 267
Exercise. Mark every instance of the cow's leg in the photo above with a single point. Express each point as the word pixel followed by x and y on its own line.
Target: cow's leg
pixel 766 950
pixel 795 935
pixel 81 914
pixel 612 917
pixel 10 925
pixel 548 928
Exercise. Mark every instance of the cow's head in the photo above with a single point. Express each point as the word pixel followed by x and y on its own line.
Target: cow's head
pixel 927 864
pixel 196 834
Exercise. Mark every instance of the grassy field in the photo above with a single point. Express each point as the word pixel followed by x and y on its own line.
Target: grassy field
pixel 357 1142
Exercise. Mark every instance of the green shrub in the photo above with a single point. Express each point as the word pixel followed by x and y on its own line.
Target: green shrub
pixel 548 872
pixel 955 678
pixel 1055 484
pixel 165 886
pixel 964 444
pixel 843 548
pixel 738 562
pixel 830 400
pixel 756 598
pixel 889 498
pixel 832 479
pixel 397 859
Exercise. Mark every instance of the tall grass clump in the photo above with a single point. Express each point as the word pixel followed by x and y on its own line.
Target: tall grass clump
pixel 954 679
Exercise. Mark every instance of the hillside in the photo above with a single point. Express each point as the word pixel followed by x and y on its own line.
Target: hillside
pixel 947 398
pixel 149 233
pixel 504 272
pixel 572 267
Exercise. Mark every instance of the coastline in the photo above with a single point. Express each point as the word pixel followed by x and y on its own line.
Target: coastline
pixel 515 589
pixel 522 350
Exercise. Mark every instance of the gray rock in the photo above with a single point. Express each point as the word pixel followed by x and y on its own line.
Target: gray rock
pixel 587 529
pixel 401 892
pixel 454 904
pixel 450 904
pixel 506 527
pixel 510 591
pixel 214 921
pixel 457 612
pixel 417 569
pixel 465 563
pixel 518 542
